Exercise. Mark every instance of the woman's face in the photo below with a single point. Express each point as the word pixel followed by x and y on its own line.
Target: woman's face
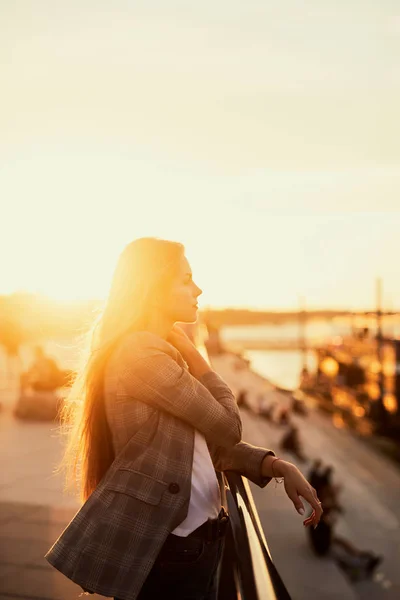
pixel 181 303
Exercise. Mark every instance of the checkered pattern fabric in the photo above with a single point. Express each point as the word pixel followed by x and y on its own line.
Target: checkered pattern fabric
pixel 153 405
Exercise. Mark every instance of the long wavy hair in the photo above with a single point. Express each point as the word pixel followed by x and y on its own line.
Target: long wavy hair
pixel 144 271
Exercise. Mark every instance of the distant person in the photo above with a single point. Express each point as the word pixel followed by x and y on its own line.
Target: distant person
pixel 43 375
pixel 326 478
pixel 305 379
pixel 299 407
pixel 324 541
pixel 242 398
pixel 267 409
pixel 323 384
pixel 319 476
pixel 315 474
pixel 291 443
pixel 283 416
pixel 151 427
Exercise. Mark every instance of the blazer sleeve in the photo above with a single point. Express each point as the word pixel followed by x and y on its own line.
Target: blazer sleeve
pixel 158 380
pixel 242 458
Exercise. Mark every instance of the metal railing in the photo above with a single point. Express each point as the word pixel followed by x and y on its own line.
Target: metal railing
pixel 247 571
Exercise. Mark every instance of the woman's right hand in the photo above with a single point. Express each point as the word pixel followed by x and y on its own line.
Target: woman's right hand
pixel 178 338
pixel 196 363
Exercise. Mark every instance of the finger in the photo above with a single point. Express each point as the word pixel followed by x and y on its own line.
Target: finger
pixel 299 506
pixel 315 504
pixel 315 516
pixel 179 331
pixel 318 509
pixel 309 520
pixel 311 517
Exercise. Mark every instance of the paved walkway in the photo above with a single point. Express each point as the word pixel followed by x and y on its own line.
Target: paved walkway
pixel 26 533
pixel 33 511
pixel 371 497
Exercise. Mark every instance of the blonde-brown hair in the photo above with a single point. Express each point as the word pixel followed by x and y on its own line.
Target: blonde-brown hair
pixel 145 269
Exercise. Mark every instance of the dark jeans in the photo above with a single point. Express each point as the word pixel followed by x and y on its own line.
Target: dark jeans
pixel 185 569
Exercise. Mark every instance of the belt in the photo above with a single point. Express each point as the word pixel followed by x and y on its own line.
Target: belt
pixel 212 529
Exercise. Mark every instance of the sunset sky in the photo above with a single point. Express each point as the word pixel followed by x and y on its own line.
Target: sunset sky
pixel 263 135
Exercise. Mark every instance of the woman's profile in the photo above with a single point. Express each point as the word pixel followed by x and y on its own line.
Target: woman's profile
pixel 150 428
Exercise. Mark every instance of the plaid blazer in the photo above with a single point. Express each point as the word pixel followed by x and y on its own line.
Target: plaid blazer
pixel 153 405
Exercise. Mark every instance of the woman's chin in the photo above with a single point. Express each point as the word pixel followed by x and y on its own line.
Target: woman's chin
pixel 189 317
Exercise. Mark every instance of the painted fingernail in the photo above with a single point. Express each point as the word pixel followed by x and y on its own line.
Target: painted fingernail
pixel 301 511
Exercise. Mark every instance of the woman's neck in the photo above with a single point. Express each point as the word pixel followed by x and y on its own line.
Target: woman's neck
pixel 159 326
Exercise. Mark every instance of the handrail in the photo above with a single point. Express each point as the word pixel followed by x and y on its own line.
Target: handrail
pixel 247 569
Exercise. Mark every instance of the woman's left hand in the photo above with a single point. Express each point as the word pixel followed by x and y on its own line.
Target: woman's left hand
pixel 297 487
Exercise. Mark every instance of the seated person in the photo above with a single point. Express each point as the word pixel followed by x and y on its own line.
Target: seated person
pixel 43 375
pixel 291 443
pixel 324 541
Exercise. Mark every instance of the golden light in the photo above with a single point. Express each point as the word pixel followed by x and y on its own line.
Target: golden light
pixel 330 367
pixel 342 398
pixel 374 391
pixel 338 421
pixel 358 411
pixel 375 367
pixel 389 369
pixel 339 397
pixel 390 402
pixel 344 358
pixel 365 427
pixel 364 361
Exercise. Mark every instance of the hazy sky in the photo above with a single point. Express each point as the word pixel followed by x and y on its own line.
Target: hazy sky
pixel 264 135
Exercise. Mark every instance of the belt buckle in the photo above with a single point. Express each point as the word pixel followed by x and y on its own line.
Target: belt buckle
pixel 216 527
pixel 222 523
pixel 225 517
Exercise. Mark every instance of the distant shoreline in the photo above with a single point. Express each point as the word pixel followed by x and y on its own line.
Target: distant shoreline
pixel 227 317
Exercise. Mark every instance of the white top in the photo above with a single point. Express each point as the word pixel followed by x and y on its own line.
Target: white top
pixel 205 501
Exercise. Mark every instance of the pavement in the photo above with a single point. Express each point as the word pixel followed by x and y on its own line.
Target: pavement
pixel 34 509
pixel 370 496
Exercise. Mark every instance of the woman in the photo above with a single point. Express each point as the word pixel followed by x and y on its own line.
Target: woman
pixel 152 427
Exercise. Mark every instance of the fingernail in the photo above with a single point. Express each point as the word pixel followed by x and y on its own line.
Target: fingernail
pixel 301 511
pixel 316 525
